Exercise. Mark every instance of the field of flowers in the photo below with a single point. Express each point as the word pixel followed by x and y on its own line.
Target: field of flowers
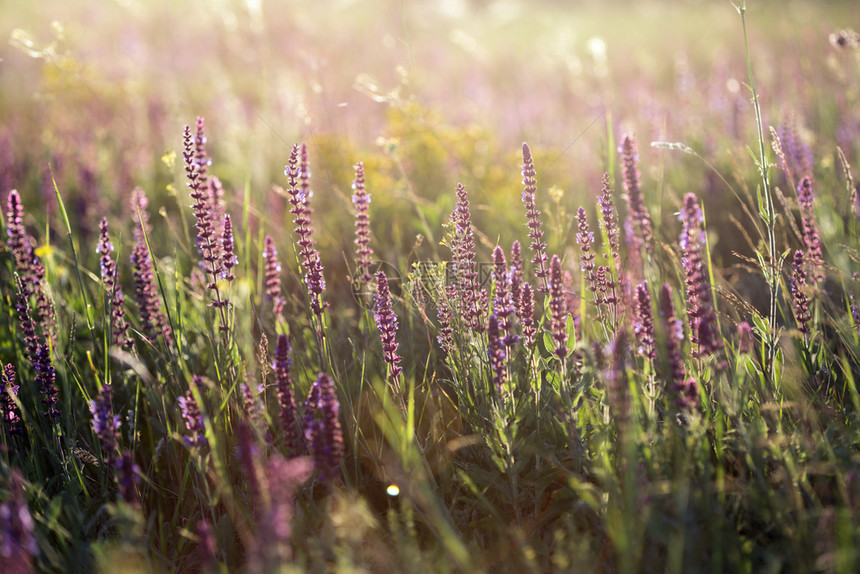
pixel 283 290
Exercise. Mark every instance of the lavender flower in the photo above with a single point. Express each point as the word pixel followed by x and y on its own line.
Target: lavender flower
pixel 538 246
pixel 361 201
pixel 527 313
pixel 585 238
pixel 26 326
pixel 472 296
pixel 8 409
pixel 293 441
pixel 386 324
pixel 105 423
pixel 503 306
pixel 745 338
pixel 45 378
pixel 557 309
pixel 283 478
pixel 17 540
pixel 311 406
pixel 246 454
pixel 324 434
pixel 643 326
pixel 272 275
pixel 811 237
pixel 446 331
pixel 249 403
pixel 617 389
pixel 687 394
pixel 298 176
pixel 153 320
pixel 609 220
pixel 193 417
pixel 128 477
pixel 674 335
pixel 496 353
pixel 700 307
pixel 115 298
pixel 516 273
pixel 635 202
pixel 800 297
pixel 228 255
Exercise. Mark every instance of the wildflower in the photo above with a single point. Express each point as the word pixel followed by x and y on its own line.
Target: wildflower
pixel 527 312
pixel 503 306
pixel 128 477
pixel 228 256
pixel 538 246
pixel 246 454
pixel 8 409
pixel 293 441
pixel 557 308
pixel 609 220
pixel 17 529
pixel 472 296
pixel 249 403
pixel 443 313
pixel 386 324
pixel 298 177
pixel 496 353
pixel 617 389
pixel 105 423
pixel 192 416
pixel 324 434
pixel 283 479
pixel 811 237
pixel 800 297
pixel 643 326
pixel 45 378
pixel 585 238
pixel 361 201
pixel 272 275
pixel 635 202
pixel 687 394
pixel 26 325
pixel 745 338
pixel 206 547
pixel 153 320
pixel 516 273
pixel 700 307
pixel 674 335
pixel 115 298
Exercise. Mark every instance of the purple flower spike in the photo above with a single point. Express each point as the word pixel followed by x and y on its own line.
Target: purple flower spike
pixel 193 417
pixel 585 238
pixel 527 313
pixel 105 424
pixel 472 296
pixel 674 335
pixel 700 305
pixel 800 295
pixel 361 201
pixel 558 308
pixel 635 202
pixel 228 255
pixel 643 326
pixel 811 238
pixel 609 219
pixel 293 440
pixel 538 246
pixel 386 324
pixel 153 320
pixel 45 377
pixel 745 338
pixel 503 305
pixel 115 298
pixel 324 434
pixel 128 477
pixel 17 529
pixel 8 410
pixel 273 275
pixel 496 353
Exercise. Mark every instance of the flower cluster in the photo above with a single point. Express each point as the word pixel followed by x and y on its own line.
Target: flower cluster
pixel 643 325
pixel 105 423
pixel 557 308
pixel 386 324
pixel 323 433
pixel 46 380
pixel 800 296
pixel 608 219
pixel 196 167
pixel 192 416
pixel 153 320
pixel 228 255
pixel 538 245
pixel 633 193
pixel 503 305
pixel 472 296
pixel 272 272
pixel 294 443
pixel 8 409
pixel 526 313
pixel 700 307
pixel 128 477
pixel 361 201
pixel 496 353
pixel 17 529
pixel 298 178
pixel 685 390
pixel 115 298
pixel 585 238
pixel 811 238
